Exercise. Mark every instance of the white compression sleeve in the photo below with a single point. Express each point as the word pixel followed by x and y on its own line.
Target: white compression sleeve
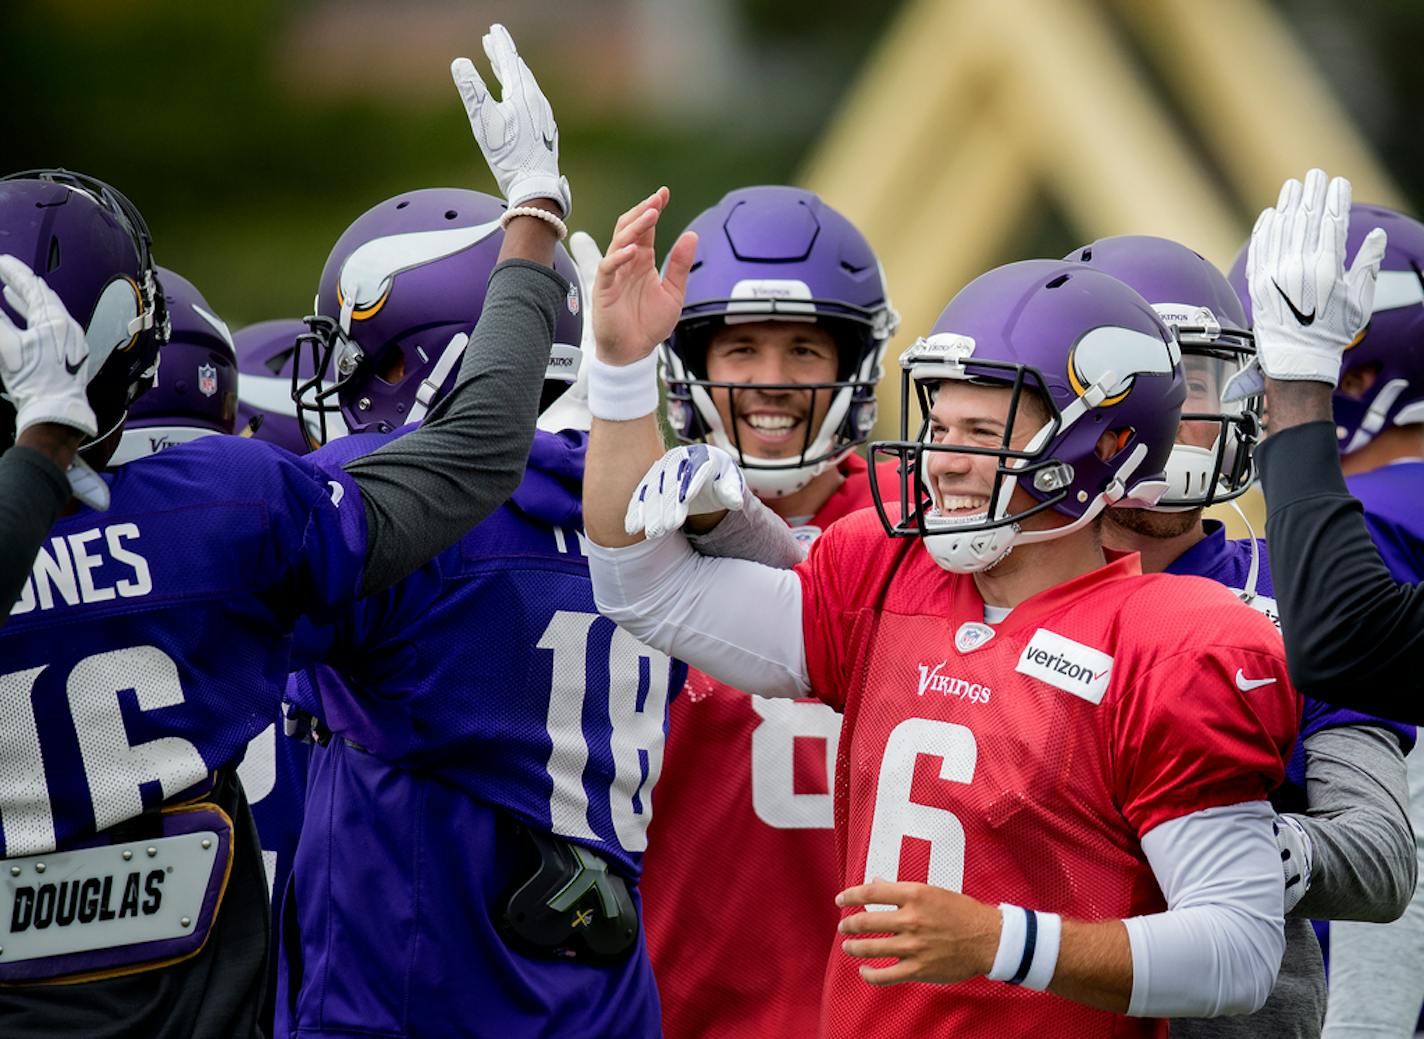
pixel 1218 947
pixel 738 621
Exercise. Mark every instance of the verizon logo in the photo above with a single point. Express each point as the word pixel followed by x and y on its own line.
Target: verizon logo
pixel 933 680
pixel 1064 664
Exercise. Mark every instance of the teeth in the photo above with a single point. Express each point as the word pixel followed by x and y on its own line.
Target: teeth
pixel 770 421
pixel 957 503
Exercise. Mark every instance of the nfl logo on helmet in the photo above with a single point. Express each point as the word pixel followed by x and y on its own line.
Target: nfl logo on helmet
pixel 207 380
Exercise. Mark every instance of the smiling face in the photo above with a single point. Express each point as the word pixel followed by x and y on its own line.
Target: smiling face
pixel 769 423
pixel 968 415
pixel 1204 378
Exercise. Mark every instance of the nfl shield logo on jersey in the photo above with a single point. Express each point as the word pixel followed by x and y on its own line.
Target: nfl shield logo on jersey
pixel 207 380
pixel 971 635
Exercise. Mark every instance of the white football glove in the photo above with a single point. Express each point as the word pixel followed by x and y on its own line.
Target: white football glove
pixel 570 411
pixel 45 365
pixel 1306 307
pixel 517 135
pixel 687 481
pixel 1296 854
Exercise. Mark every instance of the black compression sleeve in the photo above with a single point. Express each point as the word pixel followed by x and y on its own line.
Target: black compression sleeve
pixel 424 491
pixel 32 491
pixel 1354 635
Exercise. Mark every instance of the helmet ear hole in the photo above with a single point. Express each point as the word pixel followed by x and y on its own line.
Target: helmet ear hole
pixel 1359 379
pixel 392 370
pixel 1112 442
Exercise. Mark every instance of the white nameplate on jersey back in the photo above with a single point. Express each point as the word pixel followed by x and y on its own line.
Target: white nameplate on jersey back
pixel 95 898
pixel 1071 666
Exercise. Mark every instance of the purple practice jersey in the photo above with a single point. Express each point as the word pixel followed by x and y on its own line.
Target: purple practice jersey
pixel 1392 495
pixel 151 644
pixel 482 694
pixel 1229 562
pixel 152 641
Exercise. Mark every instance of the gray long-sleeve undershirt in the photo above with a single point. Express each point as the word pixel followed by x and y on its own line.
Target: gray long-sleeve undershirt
pixel 424 491
pixel 1362 868
pixel 752 532
pixel 32 491
pixel 1363 861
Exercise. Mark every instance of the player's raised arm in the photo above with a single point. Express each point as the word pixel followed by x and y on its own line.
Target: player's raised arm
pixel 1350 627
pixel 660 590
pixel 634 309
pixel 423 491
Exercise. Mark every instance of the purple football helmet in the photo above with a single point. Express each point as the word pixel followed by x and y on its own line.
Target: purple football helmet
pixel 781 254
pixel 1390 350
pixel 266 353
pixel 92 247
pixel 194 393
pixel 1090 350
pixel 1195 300
pixel 399 297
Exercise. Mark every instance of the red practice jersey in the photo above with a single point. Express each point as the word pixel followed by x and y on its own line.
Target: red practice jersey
pixel 1023 763
pixel 743 830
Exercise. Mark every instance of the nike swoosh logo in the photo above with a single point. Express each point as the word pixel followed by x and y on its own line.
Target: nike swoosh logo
pixel 1247 684
pixel 73 369
pixel 1305 319
pixel 549 141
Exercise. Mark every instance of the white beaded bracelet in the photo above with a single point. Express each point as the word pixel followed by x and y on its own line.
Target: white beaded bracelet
pixel 1028 947
pixel 561 228
pixel 622 392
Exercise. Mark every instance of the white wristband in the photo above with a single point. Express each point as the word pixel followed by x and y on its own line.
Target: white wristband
pixel 560 228
pixel 1028 947
pixel 623 392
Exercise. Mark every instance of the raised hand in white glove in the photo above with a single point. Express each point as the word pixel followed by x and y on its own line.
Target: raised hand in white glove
pixel 1296 853
pixel 45 365
pixel 1306 307
pixel 570 411
pixel 517 134
pixel 687 481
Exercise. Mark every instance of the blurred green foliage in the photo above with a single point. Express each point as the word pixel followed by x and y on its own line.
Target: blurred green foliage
pixel 201 113
pixel 187 108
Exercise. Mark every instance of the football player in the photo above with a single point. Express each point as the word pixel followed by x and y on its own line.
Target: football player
pixel 494 742
pixel 152 642
pixel 1346 842
pixel 266 353
pixel 194 392
pixel 1377 973
pixel 774 358
pixel 1046 775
